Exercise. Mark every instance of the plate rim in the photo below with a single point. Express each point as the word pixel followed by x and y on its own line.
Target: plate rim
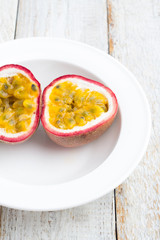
pixel 119 181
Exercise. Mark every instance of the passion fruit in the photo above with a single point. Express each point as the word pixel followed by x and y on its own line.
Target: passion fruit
pixel 19 103
pixel 77 110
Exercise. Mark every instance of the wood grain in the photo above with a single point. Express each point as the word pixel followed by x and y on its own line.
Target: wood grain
pixel 134 33
pixel 91 221
pixel 85 21
pixel 8 12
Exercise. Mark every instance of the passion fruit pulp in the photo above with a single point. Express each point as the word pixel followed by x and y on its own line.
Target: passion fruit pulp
pixel 19 103
pixel 77 110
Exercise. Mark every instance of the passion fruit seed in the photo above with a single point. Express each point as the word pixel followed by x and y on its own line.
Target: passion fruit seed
pixel 59 116
pixel 5 86
pixel 28 104
pixel 10 79
pixel 7 116
pixel 61 110
pixel 6 103
pixel 23 117
pixel 3 94
pixel 33 87
pixel 70 122
pixel 83 104
pixel 21 126
pixel 1 109
pixel 11 122
pixel 60 124
pixel 16 103
pixel 85 113
pixel 92 110
pixel 105 108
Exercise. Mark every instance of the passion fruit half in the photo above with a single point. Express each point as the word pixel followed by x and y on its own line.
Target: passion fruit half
pixel 77 110
pixel 19 103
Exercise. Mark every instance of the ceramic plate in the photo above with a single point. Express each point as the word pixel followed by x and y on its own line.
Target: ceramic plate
pixel 40 175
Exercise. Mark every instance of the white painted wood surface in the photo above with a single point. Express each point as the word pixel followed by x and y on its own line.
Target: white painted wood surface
pixel 85 21
pixel 135 36
pixel 8 13
pixel 80 20
pixel 91 221
pixel 134 39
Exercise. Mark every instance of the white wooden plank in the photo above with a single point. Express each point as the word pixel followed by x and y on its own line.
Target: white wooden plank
pixel 134 31
pixel 85 21
pixel 92 221
pixel 8 11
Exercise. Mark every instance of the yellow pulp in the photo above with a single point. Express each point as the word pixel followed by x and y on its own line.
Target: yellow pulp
pixel 70 106
pixel 17 102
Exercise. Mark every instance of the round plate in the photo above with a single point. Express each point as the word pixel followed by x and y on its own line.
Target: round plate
pixel 40 175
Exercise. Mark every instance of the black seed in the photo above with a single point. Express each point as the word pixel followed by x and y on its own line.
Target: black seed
pixel 82 117
pixel 5 86
pixel 58 86
pixel 34 88
pixel 72 105
pixel 58 122
pixel 56 99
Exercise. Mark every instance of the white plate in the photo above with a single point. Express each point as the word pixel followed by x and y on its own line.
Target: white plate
pixel 38 174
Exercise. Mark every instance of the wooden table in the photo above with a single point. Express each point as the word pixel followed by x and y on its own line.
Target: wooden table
pixel 129 31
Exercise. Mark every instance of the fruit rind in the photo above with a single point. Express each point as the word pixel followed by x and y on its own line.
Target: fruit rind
pixel 83 136
pixel 22 136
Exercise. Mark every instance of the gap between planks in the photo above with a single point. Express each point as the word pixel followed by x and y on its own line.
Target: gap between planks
pixel 15 31
pixel 110 51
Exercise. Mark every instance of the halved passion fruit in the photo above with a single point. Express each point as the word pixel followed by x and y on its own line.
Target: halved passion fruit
pixel 77 110
pixel 19 103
